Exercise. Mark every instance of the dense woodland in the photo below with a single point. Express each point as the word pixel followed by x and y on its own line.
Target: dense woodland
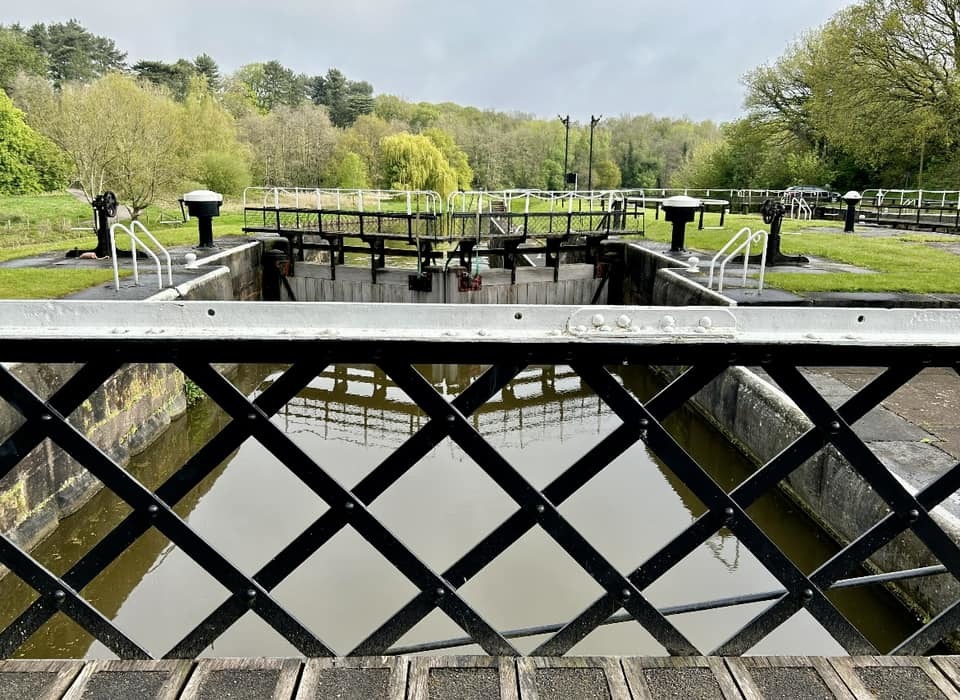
pixel 870 98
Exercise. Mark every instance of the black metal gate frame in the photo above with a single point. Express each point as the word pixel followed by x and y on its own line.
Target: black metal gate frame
pixel 309 337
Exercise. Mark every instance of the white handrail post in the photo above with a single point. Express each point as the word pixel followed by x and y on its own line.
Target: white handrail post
pixel 763 262
pixel 113 255
pixel 734 239
pixel 159 245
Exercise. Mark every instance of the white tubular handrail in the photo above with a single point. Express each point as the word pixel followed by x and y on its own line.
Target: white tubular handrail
pixel 133 252
pixel 745 247
pixel 734 239
pixel 799 209
pixel 136 224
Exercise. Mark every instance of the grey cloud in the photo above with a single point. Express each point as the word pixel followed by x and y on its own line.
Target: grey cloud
pixel 671 57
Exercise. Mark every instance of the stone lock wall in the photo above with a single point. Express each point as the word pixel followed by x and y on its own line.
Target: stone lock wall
pixel 123 417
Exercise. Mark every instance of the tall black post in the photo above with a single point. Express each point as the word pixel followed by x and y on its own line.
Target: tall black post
pixel 593 123
pixel 566 146
pixel 104 207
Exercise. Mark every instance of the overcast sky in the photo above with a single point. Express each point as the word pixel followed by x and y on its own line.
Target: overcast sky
pixel 667 57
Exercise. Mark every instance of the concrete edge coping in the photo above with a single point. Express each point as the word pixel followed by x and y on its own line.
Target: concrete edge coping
pixel 672 267
pixel 792 414
pixel 209 260
pixel 682 281
pixel 182 291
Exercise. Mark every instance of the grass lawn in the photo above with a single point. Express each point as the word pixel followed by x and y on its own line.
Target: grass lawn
pixel 32 283
pixel 37 224
pixel 902 263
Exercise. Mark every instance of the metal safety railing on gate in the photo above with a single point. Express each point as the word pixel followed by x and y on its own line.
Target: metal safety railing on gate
pixel 134 242
pixel 333 211
pixel 696 344
pixel 530 213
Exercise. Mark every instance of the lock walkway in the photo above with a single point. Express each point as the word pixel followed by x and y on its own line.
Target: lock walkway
pixel 488 678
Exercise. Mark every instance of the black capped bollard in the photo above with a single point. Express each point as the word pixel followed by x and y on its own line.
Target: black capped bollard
pixel 203 205
pixel 680 211
pixel 852 199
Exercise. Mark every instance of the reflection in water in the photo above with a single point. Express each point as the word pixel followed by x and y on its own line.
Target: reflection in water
pixel 351 418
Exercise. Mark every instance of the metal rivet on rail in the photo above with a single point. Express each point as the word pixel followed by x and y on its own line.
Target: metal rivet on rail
pixel 251 416
pixel 59 596
pixel 667 323
pixel 348 505
pixel 644 422
pixel 597 320
pixel 152 510
pixel 540 508
pixel 440 592
pixel 251 595
pixel 625 594
pixel 624 321
pixel 451 418
pixel 46 417
pixel 913 516
pixel 706 322
pixel 806 595
pixel 834 426
pixel 483 332
pixel 728 514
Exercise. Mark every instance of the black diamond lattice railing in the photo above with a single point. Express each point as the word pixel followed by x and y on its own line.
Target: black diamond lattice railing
pixel 699 343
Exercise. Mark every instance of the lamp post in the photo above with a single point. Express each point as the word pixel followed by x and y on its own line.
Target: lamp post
pixel 566 145
pixel 593 123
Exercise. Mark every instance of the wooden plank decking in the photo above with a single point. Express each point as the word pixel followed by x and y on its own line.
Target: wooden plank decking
pixel 484 678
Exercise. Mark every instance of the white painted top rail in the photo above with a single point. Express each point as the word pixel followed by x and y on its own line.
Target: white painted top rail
pixel 288 322
pixel 326 198
pixel 909 198
pixel 480 201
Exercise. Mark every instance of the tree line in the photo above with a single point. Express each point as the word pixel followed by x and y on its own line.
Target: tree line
pixel 154 128
pixel 871 98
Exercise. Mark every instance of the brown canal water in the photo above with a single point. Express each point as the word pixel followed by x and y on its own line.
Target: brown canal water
pixel 349 419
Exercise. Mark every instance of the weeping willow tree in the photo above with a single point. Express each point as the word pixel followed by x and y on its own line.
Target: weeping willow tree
pixel 413 162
